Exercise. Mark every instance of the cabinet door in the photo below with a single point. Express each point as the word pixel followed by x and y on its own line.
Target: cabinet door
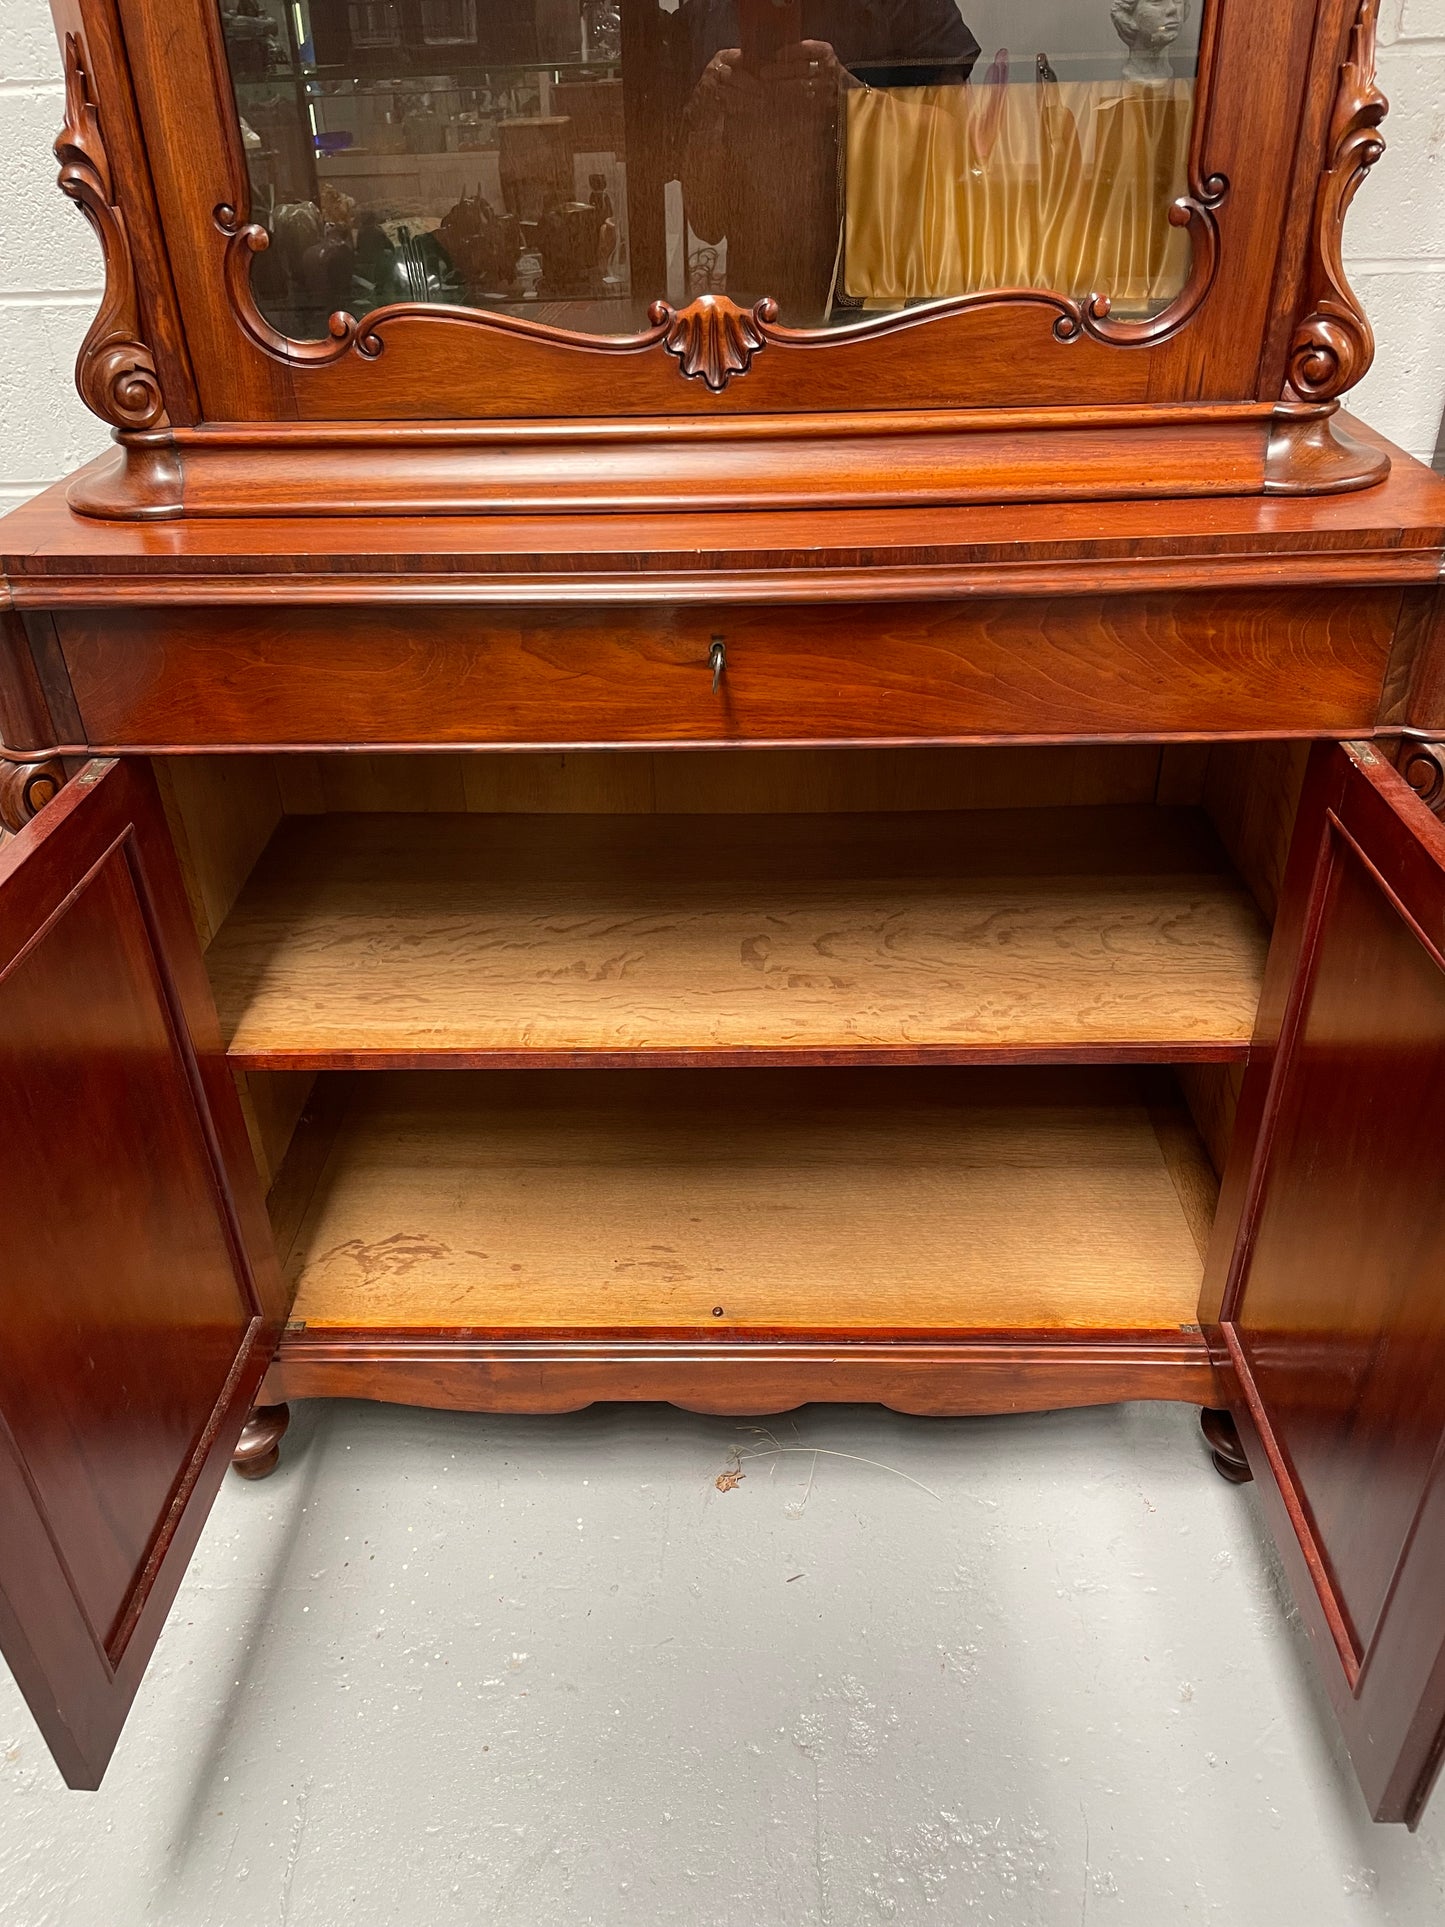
pixel 139 1291
pixel 1327 1276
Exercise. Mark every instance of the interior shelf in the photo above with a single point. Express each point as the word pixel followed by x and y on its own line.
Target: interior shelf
pixel 880 1200
pixel 401 941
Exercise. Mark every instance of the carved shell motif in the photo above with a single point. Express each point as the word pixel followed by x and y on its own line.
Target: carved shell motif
pixel 713 337
pixel 114 371
pixel 1332 348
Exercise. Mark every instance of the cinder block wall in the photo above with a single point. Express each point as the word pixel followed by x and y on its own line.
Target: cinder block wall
pixel 1395 236
pixel 50 262
pixel 49 268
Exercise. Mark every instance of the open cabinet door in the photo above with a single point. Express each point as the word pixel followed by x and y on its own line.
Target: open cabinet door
pixel 1327 1274
pixel 139 1291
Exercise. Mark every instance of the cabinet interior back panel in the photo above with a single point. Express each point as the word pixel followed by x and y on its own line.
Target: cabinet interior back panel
pixel 371 941
pixel 879 1199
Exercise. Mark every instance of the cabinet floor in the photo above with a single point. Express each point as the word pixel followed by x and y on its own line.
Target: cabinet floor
pixel 454 1669
pixel 734 1201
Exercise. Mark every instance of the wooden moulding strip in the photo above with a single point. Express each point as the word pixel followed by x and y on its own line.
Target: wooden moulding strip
pixel 570 430
pixel 104 587
pixel 704 1057
pixel 981 1373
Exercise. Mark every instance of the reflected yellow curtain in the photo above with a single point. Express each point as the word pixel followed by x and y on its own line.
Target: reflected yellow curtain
pixel 1062 184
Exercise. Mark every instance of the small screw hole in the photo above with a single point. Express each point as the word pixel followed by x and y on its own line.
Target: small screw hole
pixel 717 1311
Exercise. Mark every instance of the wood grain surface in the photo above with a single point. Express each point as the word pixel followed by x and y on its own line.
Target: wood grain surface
pixel 1243 662
pixel 1030 1371
pixel 140 1295
pixel 684 782
pixel 762 1201
pixel 1327 1265
pixel 376 941
pixel 53 557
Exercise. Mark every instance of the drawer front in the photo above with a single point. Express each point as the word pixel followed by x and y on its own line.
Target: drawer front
pixel 1228 662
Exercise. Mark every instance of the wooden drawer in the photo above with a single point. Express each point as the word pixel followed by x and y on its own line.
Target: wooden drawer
pixel 1285 662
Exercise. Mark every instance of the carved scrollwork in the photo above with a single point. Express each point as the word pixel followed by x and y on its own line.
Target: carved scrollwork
pixel 25 789
pixel 713 338
pixel 245 238
pixel 1423 767
pixel 115 372
pixel 1334 345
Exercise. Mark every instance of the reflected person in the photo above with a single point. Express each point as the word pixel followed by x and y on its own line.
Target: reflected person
pixel 761 155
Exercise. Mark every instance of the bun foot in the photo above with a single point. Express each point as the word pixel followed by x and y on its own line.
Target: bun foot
pixel 1224 1447
pixel 259 1447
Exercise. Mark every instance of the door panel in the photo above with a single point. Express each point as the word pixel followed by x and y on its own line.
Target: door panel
pixel 1332 1308
pixel 139 1295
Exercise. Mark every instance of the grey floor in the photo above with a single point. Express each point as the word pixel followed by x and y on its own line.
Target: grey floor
pixel 447 1669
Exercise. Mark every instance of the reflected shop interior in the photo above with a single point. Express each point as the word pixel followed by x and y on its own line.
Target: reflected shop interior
pixel 572 161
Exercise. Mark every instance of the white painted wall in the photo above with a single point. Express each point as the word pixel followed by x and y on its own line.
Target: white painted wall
pixel 50 262
pixel 49 268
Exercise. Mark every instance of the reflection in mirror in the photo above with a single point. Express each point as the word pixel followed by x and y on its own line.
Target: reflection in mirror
pixel 574 160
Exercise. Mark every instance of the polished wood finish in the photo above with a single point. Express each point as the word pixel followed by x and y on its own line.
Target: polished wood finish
pixel 1422 764
pixel 1333 345
pixel 1221 1435
pixel 114 144
pixel 728 782
pixel 1212 1093
pixel 258 1450
pixel 1324 1286
pixel 754 1202
pixel 1017 519
pixel 25 789
pixel 375 942
pixel 1393 533
pixel 1233 662
pixel 1285 121
pixel 1311 453
pixel 222 812
pixel 746 1377
pixel 141 1297
pixel 272 1104
pixel 1252 792
pixel 116 373
pixel 800 462
pixel 1417 685
pixel 37 705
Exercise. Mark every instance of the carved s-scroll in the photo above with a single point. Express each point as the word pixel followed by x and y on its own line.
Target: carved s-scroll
pixel 1422 764
pixel 1334 345
pixel 25 789
pixel 114 371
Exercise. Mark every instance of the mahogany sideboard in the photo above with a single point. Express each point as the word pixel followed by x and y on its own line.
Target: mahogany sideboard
pixel 872 842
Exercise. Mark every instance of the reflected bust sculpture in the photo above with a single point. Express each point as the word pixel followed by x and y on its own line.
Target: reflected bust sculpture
pixel 1148 28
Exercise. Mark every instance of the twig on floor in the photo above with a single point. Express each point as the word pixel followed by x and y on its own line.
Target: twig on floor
pixel 740 1453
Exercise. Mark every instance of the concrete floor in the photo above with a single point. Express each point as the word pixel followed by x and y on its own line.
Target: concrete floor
pixel 445 1670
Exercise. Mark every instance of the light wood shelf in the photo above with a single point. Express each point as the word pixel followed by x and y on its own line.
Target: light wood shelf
pixel 877 1200
pixel 399 941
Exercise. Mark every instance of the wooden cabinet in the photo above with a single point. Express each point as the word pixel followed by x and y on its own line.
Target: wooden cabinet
pixel 142 1297
pixel 1329 1262
pixel 869 842
pixel 1126 284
